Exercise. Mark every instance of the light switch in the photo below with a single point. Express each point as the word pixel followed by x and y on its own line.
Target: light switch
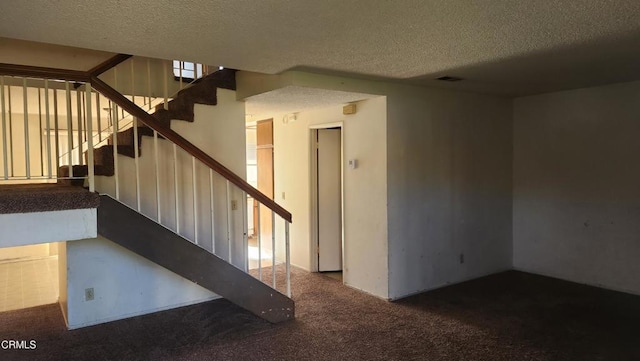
pixel 353 163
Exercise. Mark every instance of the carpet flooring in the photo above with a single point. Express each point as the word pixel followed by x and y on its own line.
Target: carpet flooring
pixel 26 198
pixel 508 316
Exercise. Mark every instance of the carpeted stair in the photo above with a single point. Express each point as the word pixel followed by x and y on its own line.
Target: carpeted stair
pixel 27 198
pixel 203 91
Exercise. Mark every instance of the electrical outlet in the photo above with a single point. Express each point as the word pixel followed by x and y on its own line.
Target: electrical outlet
pixel 88 294
pixel 461 258
pixel 234 205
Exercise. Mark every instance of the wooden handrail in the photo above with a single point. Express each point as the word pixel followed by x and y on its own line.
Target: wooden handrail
pixel 44 73
pixel 189 147
pixel 142 115
pixel 108 64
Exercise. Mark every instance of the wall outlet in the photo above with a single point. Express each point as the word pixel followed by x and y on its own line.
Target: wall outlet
pixel 88 294
pixel 234 205
pixel 461 258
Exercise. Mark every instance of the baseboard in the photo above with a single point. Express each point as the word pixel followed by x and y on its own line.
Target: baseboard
pixel 64 314
pixel 562 278
pixel 300 267
pixel 447 284
pixel 140 313
pixel 367 292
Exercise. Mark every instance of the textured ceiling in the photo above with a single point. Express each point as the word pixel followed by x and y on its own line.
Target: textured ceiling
pixel 53 56
pixel 499 46
pixel 293 99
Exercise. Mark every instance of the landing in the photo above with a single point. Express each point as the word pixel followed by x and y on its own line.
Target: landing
pixel 43 213
pixel 28 198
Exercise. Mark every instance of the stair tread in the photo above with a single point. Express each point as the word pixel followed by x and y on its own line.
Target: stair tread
pixel 27 198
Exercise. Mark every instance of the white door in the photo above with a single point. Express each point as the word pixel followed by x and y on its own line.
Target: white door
pixel 329 200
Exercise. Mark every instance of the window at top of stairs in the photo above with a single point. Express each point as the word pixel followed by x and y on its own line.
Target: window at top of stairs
pixel 186 70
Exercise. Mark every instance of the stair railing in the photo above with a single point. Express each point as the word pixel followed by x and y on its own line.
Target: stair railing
pixel 201 166
pixel 39 122
pixel 222 182
pixel 149 102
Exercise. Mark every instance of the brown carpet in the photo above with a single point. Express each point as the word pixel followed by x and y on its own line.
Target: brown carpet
pixel 509 316
pixel 26 198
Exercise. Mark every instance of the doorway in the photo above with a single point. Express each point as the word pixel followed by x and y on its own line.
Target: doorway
pixel 30 275
pixel 264 149
pixel 260 174
pixel 327 193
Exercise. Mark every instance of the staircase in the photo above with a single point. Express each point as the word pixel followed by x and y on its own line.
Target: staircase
pixel 203 91
pixel 150 238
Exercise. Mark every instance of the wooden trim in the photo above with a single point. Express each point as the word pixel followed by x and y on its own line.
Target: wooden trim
pixel 108 64
pixel 43 73
pixel 194 151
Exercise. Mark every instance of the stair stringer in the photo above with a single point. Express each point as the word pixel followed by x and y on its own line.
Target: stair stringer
pixel 217 130
pixel 137 233
pixel 228 226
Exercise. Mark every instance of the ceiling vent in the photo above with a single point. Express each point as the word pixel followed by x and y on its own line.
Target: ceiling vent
pixel 448 78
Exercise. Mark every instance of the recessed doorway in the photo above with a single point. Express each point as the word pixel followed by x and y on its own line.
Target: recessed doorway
pixel 260 174
pixel 327 203
pixel 28 276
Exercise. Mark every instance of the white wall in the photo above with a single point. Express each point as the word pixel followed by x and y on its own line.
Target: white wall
pixel 449 186
pixel 14 51
pixel 448 176
pixel 576 195
pixel 18 228
pixel 219 131
pixel 148 77
pixel 124 284
pixel 16 148
pixel 62 280
pixel 365 244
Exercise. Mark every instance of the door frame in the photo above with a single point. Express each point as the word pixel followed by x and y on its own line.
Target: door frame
pixel 313 193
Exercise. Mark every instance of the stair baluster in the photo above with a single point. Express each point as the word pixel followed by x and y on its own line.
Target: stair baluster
pixel 194 187
pixel 25 115
pixel 213 212
pixel 4 131
pixel 48 124
pixel 89 128
pixel 69 130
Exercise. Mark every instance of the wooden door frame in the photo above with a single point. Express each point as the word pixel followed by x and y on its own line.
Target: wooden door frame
pixel 266 229
pixel 313 193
